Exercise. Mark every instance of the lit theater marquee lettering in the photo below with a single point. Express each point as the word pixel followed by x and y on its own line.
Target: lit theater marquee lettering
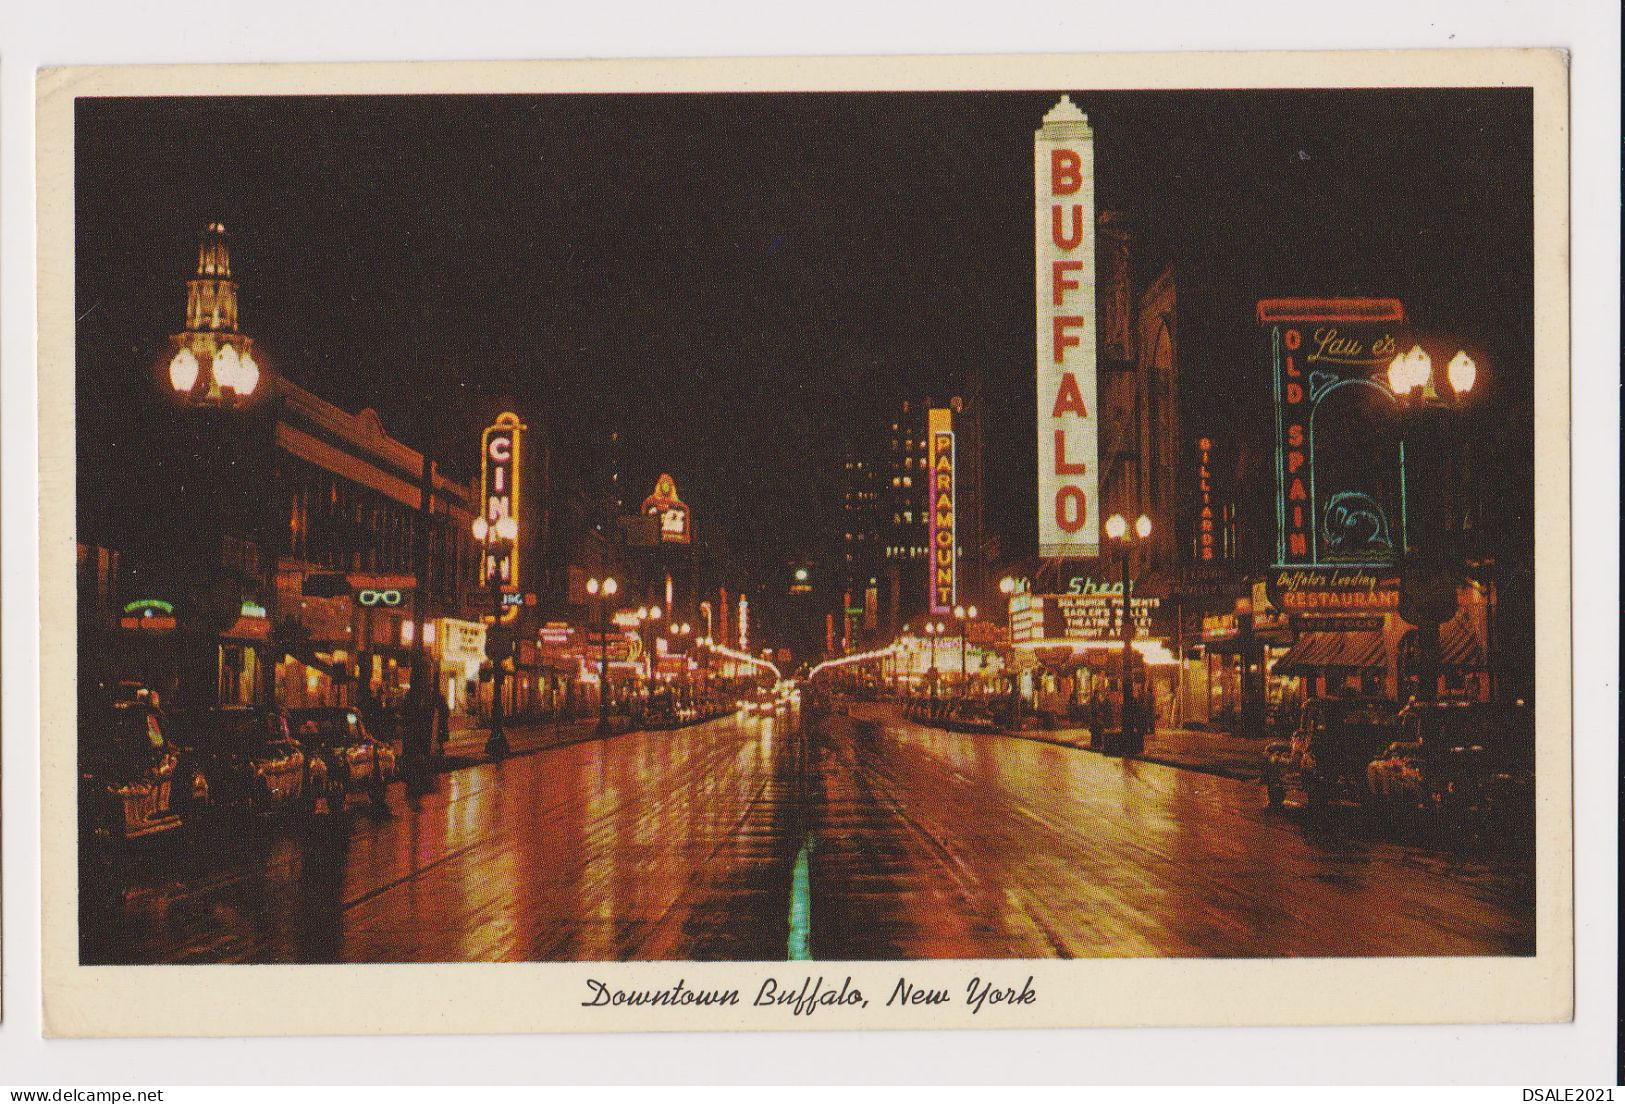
pixel 1339 462
pixel 1068 425
pixel 499 496
pixel 943 534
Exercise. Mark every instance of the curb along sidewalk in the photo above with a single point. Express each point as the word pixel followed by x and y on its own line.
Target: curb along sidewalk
pixel 467 748
pixel 1218 753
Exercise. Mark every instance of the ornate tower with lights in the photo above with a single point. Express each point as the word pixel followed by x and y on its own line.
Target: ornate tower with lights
pixel 213 363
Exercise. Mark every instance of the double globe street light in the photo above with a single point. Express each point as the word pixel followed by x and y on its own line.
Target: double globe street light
pixel 1132 740
pixel 600 590
pixel 495 538
pixel 964 615
pixel 1430 572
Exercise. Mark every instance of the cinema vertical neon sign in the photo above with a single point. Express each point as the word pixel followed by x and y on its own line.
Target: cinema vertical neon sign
pixel 499 498
pixel 943 533
pixel 1068 427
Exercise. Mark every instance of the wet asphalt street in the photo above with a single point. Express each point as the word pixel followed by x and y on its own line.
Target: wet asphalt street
pixel 752 838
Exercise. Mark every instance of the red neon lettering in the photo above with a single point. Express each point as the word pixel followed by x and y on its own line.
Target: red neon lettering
pixel 1069 398
pixel 1296 493
pixel 1294 436
pixel 1061 465
pixel 1292 367
pixel 1293 339
pixel 1065 172
pixel 1298 544
pixel 1294 461
pixel 1058 229
pixel 1294 392
pixel 1060 339
pixel 1070 520
pixel 1059 284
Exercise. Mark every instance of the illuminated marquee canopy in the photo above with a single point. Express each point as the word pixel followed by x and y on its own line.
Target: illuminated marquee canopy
pixel 669 511
pixel 499 497
pixel 943 533
pixel 1068 422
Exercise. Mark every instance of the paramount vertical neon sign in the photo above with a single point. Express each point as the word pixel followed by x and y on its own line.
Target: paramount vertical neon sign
pixel 943 535
pixel 1068 427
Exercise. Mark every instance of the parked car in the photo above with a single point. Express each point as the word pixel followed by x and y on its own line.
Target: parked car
pixel 355 762
pixel 1334 742
pixel 133 781
pixel 252 762
pixel 1460 758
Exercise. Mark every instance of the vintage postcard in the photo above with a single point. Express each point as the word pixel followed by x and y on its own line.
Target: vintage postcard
pixel 780 544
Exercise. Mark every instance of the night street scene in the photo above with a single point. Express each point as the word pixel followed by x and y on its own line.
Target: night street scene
pixel 838 526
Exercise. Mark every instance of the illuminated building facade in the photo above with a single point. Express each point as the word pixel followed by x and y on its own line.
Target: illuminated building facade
pixel 288 537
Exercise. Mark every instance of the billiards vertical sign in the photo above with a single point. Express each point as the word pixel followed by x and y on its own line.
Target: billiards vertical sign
pixel 1068 426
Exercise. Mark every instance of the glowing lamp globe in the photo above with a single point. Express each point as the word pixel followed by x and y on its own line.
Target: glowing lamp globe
pixel 183 372
pixel 481 527
pixel 1142 526
pixel 248 375
pixel 1007 585
pixel 1116 526
pixel 226 365
pixel 1462 372
pixel 611 586
pixel 507 528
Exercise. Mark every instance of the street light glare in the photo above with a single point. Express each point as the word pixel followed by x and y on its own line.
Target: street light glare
pixel 507 528
pixel 1007 585
pixel 971 612
pixel 481 528
pixel 1142 526
pixel 1116 526
pixel 611 586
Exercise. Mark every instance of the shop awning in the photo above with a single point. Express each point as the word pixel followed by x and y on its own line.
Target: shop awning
pixel 1458 646
pixel 1318 651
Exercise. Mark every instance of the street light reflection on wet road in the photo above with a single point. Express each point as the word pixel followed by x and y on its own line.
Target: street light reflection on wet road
pixel 918 844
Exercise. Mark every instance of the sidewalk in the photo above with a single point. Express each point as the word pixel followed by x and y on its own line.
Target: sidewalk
pixel 466 748
pixel 1219 753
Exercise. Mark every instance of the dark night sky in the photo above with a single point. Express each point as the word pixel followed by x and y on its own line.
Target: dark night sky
pixel 738 281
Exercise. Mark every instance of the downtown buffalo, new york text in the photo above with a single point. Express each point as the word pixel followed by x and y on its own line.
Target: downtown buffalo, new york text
pixel 804 996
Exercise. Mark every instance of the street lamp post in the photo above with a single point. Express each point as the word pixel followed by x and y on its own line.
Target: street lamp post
pixel 964 615
pixel 495 537
pixel 600 589
pixel 1423 408
pixel 647 616
pixel 1130 737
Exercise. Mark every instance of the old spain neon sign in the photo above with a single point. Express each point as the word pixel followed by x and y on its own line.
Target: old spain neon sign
pixel 1340 482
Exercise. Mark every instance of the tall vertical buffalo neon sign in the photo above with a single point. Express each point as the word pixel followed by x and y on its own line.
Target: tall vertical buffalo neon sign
pixel 499 498
pixel 1068 423
pixel 943 534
